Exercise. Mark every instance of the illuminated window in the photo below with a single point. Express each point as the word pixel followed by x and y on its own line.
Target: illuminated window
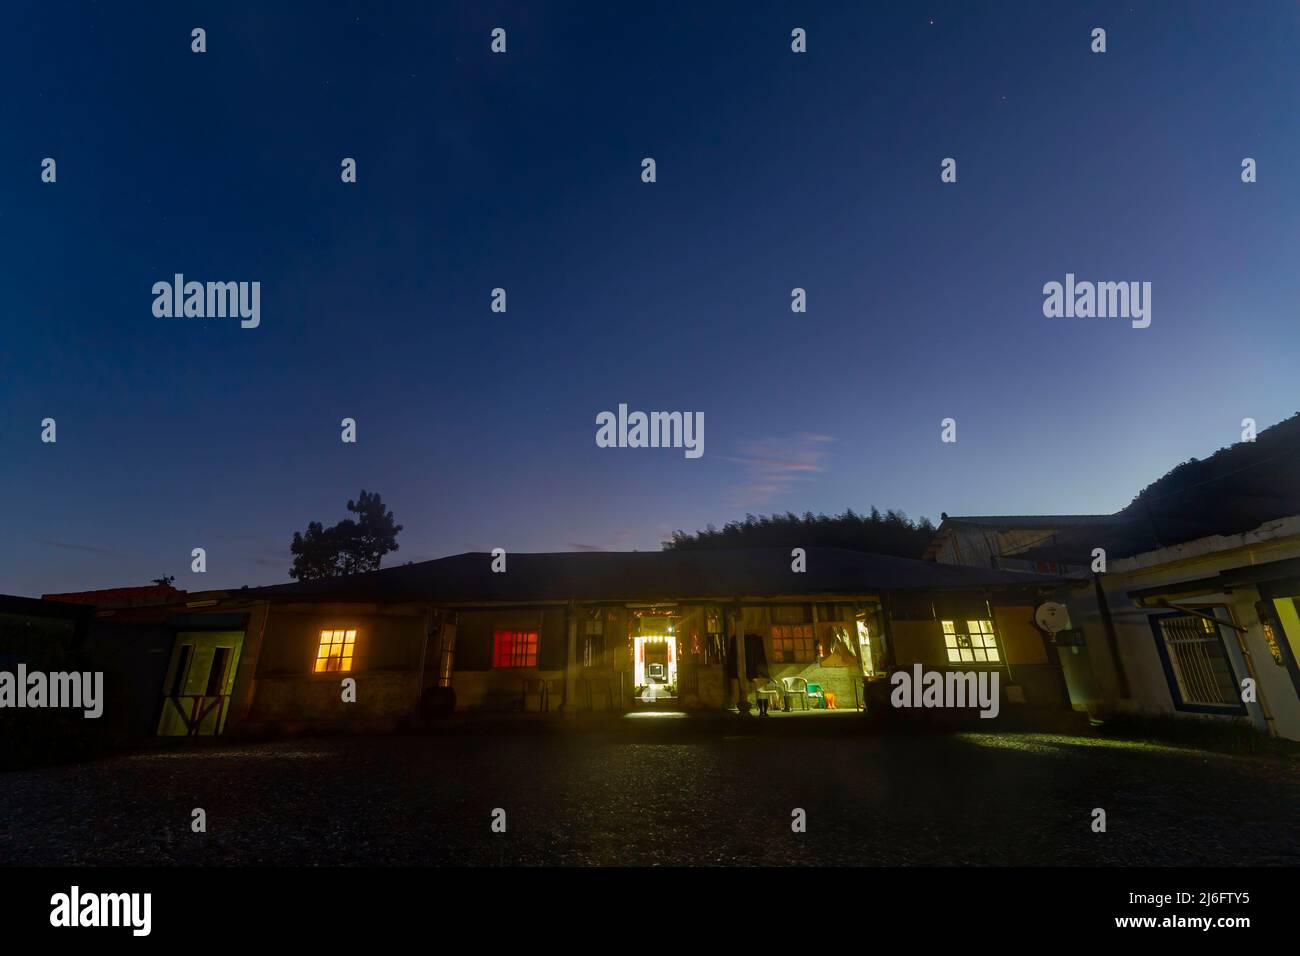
pixel 335 653
pixel 976 643
pixel 792 643
pixel 514 649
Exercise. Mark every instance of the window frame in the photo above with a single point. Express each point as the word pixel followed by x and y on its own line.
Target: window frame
pixel 1236 709
pixel 593 640
pixel 513 654
pixel 715 630
pixel 794 643
pixel 325 653
pixel 988 642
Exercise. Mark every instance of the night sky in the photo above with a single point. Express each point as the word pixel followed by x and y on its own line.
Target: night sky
pixel 523 171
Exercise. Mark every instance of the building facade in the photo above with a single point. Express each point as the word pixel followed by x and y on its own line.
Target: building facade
pixel 577 632
pixel 1205 629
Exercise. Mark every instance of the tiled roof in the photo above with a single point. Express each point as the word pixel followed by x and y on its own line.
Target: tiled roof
pixel 120 597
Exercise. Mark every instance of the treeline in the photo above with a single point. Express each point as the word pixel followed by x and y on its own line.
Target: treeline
pixel 1236 489
pixel 890 533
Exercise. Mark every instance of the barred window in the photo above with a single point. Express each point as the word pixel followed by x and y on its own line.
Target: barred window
pixel 1200 674
pixel 714 646
pixel 593 641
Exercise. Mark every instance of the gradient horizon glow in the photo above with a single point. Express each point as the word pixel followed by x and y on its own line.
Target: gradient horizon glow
pixel 775 170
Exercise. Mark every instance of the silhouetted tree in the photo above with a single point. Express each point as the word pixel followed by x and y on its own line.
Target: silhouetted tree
pixel 165 580
pixel 891 533
pixel 349 547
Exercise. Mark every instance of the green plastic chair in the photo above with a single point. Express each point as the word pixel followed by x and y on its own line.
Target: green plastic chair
pixel 817 695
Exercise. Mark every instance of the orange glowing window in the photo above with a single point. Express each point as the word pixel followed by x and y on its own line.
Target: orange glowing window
pixel 335 653
pixel 514 649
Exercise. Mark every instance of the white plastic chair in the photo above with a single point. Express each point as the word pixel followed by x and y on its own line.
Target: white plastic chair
pixel 796 687
pixel 771 689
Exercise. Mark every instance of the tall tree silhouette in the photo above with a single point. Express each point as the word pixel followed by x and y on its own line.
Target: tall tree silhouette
pixel 349 547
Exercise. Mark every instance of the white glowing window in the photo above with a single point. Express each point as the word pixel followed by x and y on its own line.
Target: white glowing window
pixel 975 643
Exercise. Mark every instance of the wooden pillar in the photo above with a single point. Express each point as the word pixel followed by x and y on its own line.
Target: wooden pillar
pixel 742 679
pixel 446 666
pixel 859 679
pixel 425 632
pixel 571 662
pixel 250 650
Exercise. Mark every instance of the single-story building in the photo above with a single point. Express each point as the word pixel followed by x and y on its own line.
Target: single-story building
pixel 675 629
pixel 1205 628
pixel 70 637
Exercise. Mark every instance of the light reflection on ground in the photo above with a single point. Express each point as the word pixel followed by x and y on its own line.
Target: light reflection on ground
pixel 232 754
pixel 1064 745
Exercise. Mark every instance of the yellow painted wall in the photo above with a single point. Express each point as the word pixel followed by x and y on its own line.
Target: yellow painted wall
pixel 1021 641
pixel 922 641
pixel 917 642
pixel 384 641
pixel 1286 612
pixel 386 666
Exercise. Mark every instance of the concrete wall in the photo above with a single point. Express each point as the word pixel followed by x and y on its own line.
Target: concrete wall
pixel 286 693
pixel 1025 662
pixel 1134 680
pixel 480 686
pixel 276 686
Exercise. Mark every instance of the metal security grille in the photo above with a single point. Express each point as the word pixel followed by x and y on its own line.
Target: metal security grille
pixel 1199 663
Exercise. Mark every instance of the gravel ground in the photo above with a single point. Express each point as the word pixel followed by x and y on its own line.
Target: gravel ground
pixel 637 798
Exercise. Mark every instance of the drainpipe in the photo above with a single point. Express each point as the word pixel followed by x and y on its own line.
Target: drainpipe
pixel 992 619
pixel 860 678
pixel 887 659
pixel 1258 709
pixel 1112 641
pixel 571 662
pixel 424 654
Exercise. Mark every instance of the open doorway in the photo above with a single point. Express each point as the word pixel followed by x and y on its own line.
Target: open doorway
pixel 654 661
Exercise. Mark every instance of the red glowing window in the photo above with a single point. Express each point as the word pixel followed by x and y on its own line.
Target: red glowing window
pixel 514 649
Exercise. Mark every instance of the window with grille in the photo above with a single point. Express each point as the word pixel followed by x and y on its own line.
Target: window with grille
pixel 970 642
pixel 514 649
pixel 714 646
pixel 792 643
pixel 593 641
pixel 335 651
pixel 1196 663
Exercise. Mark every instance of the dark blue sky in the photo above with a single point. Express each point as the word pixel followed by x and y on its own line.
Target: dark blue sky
pixel 523 171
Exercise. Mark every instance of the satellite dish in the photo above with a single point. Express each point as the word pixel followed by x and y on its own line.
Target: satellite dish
pixel 1052 617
